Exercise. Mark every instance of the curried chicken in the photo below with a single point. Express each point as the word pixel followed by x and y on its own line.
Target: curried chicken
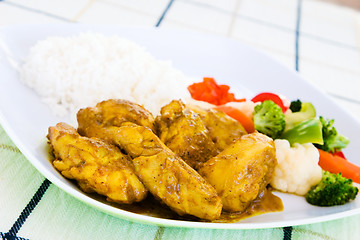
pixel 183 131
pixel 96 166
pixel 112 112
pixel 241 172
pixel 223 129
pixel 164 174
pixel 234 167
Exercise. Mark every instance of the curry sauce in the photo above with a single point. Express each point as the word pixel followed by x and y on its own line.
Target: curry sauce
pixel 266 203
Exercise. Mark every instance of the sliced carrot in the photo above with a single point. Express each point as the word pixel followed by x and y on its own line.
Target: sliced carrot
pixel 238 115
pixel 337 164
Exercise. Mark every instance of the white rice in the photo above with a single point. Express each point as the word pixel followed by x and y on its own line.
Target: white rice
pixel 70 73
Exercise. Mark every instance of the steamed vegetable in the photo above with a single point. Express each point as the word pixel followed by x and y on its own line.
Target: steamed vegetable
pixel 209 91
pixel 297 169
pixel 333 141
pixel 261 97
pixel 308 131
pixel 269 119
pixel 238 115
pixel 339 153
pixel 337 164
pixel 332 190
pixel 307 111
pixel 295 106
pixel 300 127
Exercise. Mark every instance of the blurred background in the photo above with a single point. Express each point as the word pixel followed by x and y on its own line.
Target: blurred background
pixel 318 38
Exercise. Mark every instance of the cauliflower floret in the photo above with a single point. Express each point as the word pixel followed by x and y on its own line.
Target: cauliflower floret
pixel 297 170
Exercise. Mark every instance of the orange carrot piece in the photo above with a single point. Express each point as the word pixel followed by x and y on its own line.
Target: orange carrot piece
pixel 337 164
pixel 238 115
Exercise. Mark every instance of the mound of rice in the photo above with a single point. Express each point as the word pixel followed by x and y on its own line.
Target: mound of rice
pixel 70 73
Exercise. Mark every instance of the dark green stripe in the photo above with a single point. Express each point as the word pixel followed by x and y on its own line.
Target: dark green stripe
pixel 159 233
pixel 164 13
pixel 271 25
pixel 287 233
pixel 10 148
pixel 297 35
pixel 288 230
pixel 29 208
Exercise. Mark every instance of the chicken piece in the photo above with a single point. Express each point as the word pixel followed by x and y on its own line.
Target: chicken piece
pixel 223 129
pixel 113 112
pixel 183 131
pixel 96 166
pixel 164 174
pixel 242 171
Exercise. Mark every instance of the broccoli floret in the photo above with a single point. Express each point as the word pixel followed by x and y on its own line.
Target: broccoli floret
pixel 269 119
pixel 295 106
pixel 333 189
pixel 332 139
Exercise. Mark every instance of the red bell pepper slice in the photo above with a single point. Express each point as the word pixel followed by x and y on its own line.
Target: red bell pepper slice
pixel 339 153
pixel 209 91
pixel 261 97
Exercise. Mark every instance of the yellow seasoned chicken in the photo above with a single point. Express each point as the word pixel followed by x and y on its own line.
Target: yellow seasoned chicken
pixel 164 174
pixel 223 129
pixel 183 131
pixel 96 166
pixel 113 112
pixel 241 172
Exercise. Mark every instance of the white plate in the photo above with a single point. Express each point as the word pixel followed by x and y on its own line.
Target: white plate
pixel 26 119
